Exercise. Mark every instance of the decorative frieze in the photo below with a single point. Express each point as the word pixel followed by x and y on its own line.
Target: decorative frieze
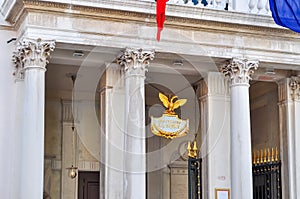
pixel 82 165
pixel 239 70
pixel 88 166
pixel 294 85
pixel 133 59
pixel 31 53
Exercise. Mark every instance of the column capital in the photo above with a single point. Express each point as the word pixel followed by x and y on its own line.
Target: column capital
pixel 239 70
pixel 133 59
pixel 294 85
pixel 32 53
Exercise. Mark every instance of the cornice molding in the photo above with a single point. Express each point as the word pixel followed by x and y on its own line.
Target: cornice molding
pixel 12 10
pixel 6 27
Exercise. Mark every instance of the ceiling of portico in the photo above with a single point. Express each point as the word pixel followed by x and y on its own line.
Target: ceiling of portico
pixel 166 68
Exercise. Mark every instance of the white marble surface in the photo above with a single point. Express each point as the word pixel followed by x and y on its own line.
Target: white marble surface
pixel 33 133
pixel 289 109
pixel 239 73
pixel 11 105
pixel 297 145
pixel 227 34
pixel 241 164
pixel 134 63
pixel 135 140
pixel 112 129
pixel 215 135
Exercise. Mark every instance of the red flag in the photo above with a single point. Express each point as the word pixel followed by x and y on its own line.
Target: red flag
pixel 160 16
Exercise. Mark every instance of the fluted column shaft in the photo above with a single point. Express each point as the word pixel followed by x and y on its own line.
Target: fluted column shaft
pixel 135 63
pixel 31 59
pixel 239 71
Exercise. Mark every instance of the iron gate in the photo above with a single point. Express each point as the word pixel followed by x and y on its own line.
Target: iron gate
pixel 267 176
pixel 195 178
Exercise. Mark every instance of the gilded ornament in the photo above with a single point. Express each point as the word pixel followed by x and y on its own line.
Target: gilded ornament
pixel 171 105
pixel 169 125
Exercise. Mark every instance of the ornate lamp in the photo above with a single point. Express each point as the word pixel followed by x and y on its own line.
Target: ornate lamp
pixel 73 169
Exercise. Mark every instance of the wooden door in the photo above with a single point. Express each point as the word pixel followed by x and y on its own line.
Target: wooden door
pixel 88 185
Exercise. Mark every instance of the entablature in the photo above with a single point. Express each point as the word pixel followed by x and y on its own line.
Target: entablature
pixel 188 30
pixel 179 16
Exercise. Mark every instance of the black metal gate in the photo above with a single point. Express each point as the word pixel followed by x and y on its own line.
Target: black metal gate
pixel 267 176
pixel 195 178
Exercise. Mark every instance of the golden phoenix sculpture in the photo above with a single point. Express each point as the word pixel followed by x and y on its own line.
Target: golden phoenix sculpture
pixel 171 105
pixel 169 125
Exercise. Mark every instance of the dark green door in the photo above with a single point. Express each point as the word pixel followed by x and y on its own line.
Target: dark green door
pixel 88 185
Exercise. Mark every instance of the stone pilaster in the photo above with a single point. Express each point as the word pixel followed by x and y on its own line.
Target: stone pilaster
pixel 134 63
pixel 239 72
pixel 69 149
pixel 30 60
pixel 289 113
pixel 112 97
pixel 215 151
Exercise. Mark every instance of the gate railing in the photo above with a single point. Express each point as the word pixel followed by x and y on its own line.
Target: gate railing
pixel 266 174
pixel 195 178
pixel 194 172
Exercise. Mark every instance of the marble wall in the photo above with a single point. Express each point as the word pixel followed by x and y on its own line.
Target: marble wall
pixel 264 115
pixel 179 180
pixel 10 117
pixel 53 133
pixel 58 152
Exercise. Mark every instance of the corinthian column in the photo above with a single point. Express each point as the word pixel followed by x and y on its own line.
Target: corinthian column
pixel 30 59
pixel 239 71
pixel 135 63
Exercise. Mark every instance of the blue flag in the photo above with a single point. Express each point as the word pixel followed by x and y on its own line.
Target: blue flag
pixel 286 13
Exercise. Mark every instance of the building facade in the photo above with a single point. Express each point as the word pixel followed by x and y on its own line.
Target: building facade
pixel 237 69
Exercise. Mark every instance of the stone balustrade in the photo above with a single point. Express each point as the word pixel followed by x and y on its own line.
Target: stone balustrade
pixel 250 6
pixel 259 6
